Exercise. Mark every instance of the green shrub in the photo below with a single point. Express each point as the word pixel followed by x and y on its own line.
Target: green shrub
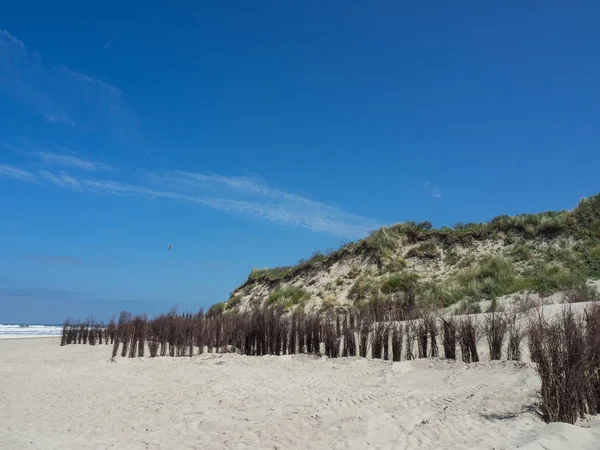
pixel 546 279
pixel 461 226
pixel 288 296
pixel 550 228
pixel 586 217
pixel 403 288
pixel 270 274
pixel 521 252
pixel 278 273
pixel 509 239
pixel 217 308
pixel 382 242
pixel 591 259
pixel 492 277
pixel 397 264
pixel 489 279
pixel 568 258
pixel 435 294
pixel 426 250
pixel 595 230
pixel 400 283
pixel 318 256
pixel 234 301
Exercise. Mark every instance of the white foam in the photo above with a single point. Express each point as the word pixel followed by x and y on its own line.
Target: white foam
pixel 28 331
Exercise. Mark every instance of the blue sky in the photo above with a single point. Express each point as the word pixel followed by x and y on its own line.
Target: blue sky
pixel 248 134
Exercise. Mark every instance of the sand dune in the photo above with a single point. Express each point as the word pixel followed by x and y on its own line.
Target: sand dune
pixel 54 397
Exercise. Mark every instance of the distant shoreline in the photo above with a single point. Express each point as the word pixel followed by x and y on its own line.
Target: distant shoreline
pixel 15 331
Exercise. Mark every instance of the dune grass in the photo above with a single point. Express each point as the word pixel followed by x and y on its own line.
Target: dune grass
pixel 288 297
pixel 543 269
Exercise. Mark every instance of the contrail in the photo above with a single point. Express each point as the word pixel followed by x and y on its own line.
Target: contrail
pixel 110 40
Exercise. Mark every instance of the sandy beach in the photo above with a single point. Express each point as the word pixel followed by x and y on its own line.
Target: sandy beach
pixel 54 397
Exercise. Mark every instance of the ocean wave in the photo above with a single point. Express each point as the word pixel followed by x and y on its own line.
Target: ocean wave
pixel 26 330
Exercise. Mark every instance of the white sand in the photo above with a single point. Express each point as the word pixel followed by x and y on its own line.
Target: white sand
pixel 29 336
pixel 74 397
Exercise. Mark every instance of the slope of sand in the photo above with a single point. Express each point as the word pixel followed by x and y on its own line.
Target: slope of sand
pixel 74 397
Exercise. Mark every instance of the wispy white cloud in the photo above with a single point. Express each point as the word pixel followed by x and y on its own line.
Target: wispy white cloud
pixel 435 192
pixel 59 94
pixel 5 35
pixel 248 196
pixel 112 92
pixel 56 156
pixel 66 160
pixel 241 196
pixel 15 172
pixel 241 184
pixel 61 179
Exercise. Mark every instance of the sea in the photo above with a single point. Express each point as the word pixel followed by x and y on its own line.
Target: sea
pixel 28 331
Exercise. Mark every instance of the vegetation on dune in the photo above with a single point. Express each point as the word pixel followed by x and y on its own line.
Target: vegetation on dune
pixel 426 250
pixel 288 296
pixel 217 308
pixel 234 301
pixel 494 277
pixel 548 278
pixel 581 223
pixel 591 260
pixel 490 278
pixel 403 282
pixel 396 264
pixel 271 274
pixel 542 253
pixel 528 226
pixel 522 252
pixel 277 273
pixel 362 289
